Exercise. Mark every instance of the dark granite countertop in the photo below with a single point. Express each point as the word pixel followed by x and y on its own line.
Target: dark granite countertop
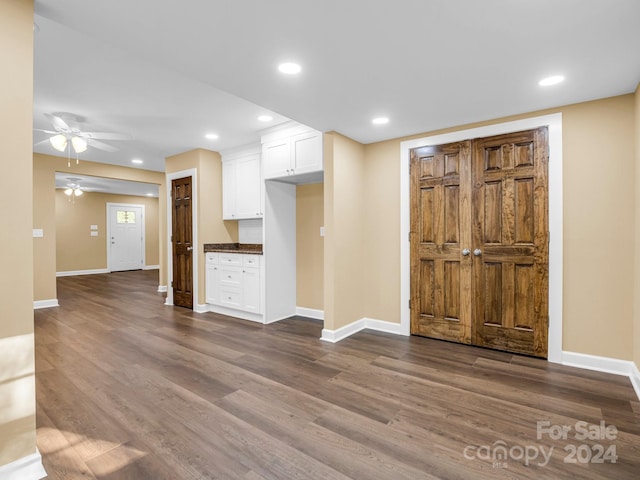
pixel 254 248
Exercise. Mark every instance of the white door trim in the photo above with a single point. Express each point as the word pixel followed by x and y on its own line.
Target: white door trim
pixel 193 173
pixel 554 122
pixel 144 225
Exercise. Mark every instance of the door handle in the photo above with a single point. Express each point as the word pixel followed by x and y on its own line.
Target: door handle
pixel 189 249
pixel 477 252
pixel 466 252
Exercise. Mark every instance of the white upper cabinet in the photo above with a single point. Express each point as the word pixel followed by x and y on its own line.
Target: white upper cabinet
pixel 306 149
pixel 248 187
pixel 229 190
pixel 277 155
pixel 242 185
pixel 292 151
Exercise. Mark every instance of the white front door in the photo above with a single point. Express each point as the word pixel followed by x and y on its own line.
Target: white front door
pixel 125 237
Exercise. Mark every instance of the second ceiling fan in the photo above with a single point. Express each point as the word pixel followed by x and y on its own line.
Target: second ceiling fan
pixel 67 134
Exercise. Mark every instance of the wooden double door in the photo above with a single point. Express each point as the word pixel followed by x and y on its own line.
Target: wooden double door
pixel 480 242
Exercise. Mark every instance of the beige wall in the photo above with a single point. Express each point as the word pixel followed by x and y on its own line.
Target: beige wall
pixel 211 227
pixel 76 249
pixel 309 246
pixel 382 231
pixel 44 201
pixel 599 208
pixel 17 383
pixel 344 191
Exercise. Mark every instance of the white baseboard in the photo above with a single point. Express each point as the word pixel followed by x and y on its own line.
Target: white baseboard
pixel 45 303
pixel 199 308
pixel 386 327
pixel 635 379
pixel 253 317
pixel 73 273
pixel 26 468
pixel 604 364
pixel 341 333
pixel 151 267
pixel 162 289
pixel 310 313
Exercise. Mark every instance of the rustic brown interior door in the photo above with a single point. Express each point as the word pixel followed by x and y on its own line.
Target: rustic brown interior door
pixel 182 242
pixel 479 242
pixel 440 228
pixel 511 240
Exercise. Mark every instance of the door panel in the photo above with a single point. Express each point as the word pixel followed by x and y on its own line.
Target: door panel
pixel 479 242
pixel 182 242
pixel 510 216
pixel 126 237
pixel 440 224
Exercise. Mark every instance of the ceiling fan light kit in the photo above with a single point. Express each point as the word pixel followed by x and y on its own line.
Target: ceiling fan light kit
pixel 59 142
pixel 79 144
pixel 76 192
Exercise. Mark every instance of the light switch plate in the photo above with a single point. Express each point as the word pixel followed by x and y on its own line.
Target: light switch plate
pixel 38 233
pixel 322 231
pixel 94 234
pixel 94 227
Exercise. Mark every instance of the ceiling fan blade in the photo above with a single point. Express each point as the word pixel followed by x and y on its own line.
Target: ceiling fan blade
pixel 41 142
pixel 45 131
pixel 58 123
pixel 102 146
pixel 106 136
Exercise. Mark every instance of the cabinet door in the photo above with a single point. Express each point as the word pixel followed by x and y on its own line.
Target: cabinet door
pixel 276 158
pixel 248 187
pixel 231 297
pixel 306 152
pixel 251 290
pixel 230 275
pixel 212 284
pixel 229 190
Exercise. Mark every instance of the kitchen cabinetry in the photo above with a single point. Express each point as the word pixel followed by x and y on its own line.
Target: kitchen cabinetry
pixel 292 152
pixel 212 284
pixel 233 280
pixel 242 186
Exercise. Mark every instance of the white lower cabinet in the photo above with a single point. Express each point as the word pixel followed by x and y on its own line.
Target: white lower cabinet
pixel 251 290
pixel 233 280
pixel 212 283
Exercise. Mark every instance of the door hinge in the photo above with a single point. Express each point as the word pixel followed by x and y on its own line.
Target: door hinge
pixel 409 304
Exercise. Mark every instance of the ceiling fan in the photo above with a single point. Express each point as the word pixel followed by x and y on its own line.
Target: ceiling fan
pixel 67 134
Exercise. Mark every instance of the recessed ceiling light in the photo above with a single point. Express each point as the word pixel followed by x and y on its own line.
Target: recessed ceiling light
pixel 545 82
pixel 211 136
pixel 137 161
pixel 380 121
pixel 265 118
pixel 290 68
pixel 149 194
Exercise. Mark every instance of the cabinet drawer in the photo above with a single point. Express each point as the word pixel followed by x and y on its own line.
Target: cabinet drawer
pixel 230 259
pixel 231 297
pixel 250 260
pixel 212 257
pixel 230 275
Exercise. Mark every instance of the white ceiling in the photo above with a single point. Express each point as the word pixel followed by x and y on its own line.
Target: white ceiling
pixel 168 72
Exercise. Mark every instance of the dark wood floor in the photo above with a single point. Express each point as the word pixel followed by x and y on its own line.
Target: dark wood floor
pixel 128 388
